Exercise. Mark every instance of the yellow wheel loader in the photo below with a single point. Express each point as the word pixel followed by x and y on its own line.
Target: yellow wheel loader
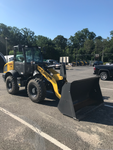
pixel 28 70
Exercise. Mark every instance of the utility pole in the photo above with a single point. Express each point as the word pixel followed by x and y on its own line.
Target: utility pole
pixel 6 49
pixel 103 54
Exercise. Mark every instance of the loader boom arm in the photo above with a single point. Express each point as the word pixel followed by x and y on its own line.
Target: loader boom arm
pixel 51 79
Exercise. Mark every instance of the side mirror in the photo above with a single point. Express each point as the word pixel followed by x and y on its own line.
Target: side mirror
pixel 18 47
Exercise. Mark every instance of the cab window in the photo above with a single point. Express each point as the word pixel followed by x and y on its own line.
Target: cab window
pixel 19 57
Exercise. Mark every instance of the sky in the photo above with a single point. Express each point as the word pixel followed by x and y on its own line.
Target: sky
pixel 50 18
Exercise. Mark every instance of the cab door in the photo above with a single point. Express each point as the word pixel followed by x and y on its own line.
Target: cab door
pixel 19 63
pixel 29 68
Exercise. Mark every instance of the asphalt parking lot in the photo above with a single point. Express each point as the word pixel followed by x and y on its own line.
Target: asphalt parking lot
pixel 25 125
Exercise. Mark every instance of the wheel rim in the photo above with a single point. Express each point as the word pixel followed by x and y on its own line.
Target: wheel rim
pixel 9 85
pixel 33 91
pixel 104 76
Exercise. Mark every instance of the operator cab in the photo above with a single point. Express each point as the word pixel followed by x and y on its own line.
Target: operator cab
pixel 25 59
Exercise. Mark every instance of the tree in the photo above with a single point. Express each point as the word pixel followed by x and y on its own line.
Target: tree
pixel 49 46
pixel 42 41
pixel 4 32
pixel 81 36
pixel 111 33
pixel 98 38
pixel 83 42
pixel 28 36
pixel 60 41
pixel 91 36
pixel 60 44
pixel 98 47
pixel 2 48
pixel 89 46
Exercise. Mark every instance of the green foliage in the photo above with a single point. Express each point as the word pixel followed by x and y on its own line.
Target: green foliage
pixel 11 52
pixel 89 46
pixel 82 46
pixel 111 33
pixel 2 48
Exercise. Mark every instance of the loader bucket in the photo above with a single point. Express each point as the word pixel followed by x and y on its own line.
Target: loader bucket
pixel 80 97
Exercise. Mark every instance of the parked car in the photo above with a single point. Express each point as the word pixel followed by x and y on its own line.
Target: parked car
pixel 104 71
pixel 54 62
pixel 49 64
pixel 97 63
pixel 109 63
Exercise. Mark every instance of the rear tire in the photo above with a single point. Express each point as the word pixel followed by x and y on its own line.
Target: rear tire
pixel 104 75
pixel 11 85
pixel 36 90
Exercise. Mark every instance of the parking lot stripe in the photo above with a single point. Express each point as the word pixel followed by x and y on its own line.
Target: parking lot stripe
pixel 36 130
pixel 108 105
pixel 106 81
pixel 106 89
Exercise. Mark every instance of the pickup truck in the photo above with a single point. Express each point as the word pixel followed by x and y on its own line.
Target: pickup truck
pixel 105 71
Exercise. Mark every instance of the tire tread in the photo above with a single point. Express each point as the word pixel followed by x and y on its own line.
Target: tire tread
pixel 41 90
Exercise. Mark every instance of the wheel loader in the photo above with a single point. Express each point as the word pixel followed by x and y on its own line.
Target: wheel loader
pixel 28 70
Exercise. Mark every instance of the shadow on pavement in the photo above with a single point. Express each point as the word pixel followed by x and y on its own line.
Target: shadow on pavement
pixel 106 97
pixel 22 93
pixel 50 99
pixel 1 71
pixel 101 115
pixel 110 79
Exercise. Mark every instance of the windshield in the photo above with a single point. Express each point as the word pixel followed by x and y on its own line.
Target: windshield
pixel 33 54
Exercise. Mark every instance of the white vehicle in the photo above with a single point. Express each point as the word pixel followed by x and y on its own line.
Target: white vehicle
pixel 53 62
pixel 9 58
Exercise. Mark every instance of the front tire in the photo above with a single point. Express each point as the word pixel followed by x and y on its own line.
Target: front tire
pixel 11 85
pixel 104 75
pixel 36 90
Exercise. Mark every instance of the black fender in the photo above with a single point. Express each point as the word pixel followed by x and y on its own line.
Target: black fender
pixel 104 70
pixel 13 73
pixel 28 81
pixel 30 78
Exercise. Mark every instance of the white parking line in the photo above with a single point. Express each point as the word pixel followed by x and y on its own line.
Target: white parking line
pixel 108 105
pixel 44 135
pixel 106 81
pixel 106 89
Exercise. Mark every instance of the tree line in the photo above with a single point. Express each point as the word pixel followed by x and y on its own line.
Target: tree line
pixel 82 46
